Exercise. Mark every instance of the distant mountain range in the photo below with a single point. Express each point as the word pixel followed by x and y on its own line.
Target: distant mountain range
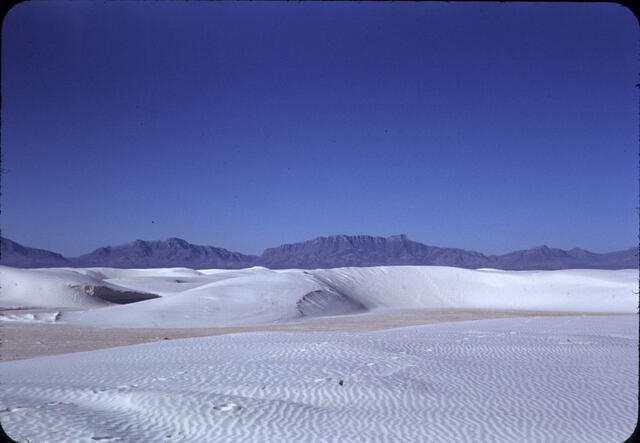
pixel 165 253
pixel 14 254
pixel 322 252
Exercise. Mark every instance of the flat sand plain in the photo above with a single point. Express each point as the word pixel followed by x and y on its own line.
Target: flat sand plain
pixel 27 340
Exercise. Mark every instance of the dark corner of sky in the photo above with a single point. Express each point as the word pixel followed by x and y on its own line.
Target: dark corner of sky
pixel 631 6
pixel 11 10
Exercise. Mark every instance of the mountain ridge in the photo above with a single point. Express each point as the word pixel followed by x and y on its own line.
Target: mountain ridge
pixel 164 253
pixel 321 252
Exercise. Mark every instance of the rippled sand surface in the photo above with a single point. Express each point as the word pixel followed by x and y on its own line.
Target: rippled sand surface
pixel 564 378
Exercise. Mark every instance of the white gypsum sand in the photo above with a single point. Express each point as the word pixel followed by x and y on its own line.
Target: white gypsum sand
pixel 568 378
pixel 563 378
pixel 214 298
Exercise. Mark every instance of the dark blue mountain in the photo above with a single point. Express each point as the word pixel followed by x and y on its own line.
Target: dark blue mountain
pixel 322 252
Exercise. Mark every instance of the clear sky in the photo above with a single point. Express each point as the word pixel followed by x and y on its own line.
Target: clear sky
pixel 491 127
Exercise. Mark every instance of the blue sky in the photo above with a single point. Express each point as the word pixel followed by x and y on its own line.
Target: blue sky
pixel 491 127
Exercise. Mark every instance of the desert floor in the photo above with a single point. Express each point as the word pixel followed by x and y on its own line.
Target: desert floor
pixel 21 340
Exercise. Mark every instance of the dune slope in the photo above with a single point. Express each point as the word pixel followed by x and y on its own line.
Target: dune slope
pixel 180 297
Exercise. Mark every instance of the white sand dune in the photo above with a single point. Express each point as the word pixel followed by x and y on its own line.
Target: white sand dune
pixel 47 288
pixel 260 295
pixel 62 288
pixel 568 378
pixel 256 298
pixel 448 287
pixel 520 379
pixel 210 298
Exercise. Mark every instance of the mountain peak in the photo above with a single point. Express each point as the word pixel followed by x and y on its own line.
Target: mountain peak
pixel 177 241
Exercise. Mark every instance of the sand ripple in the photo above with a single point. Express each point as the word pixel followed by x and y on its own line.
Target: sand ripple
pixel 537 379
